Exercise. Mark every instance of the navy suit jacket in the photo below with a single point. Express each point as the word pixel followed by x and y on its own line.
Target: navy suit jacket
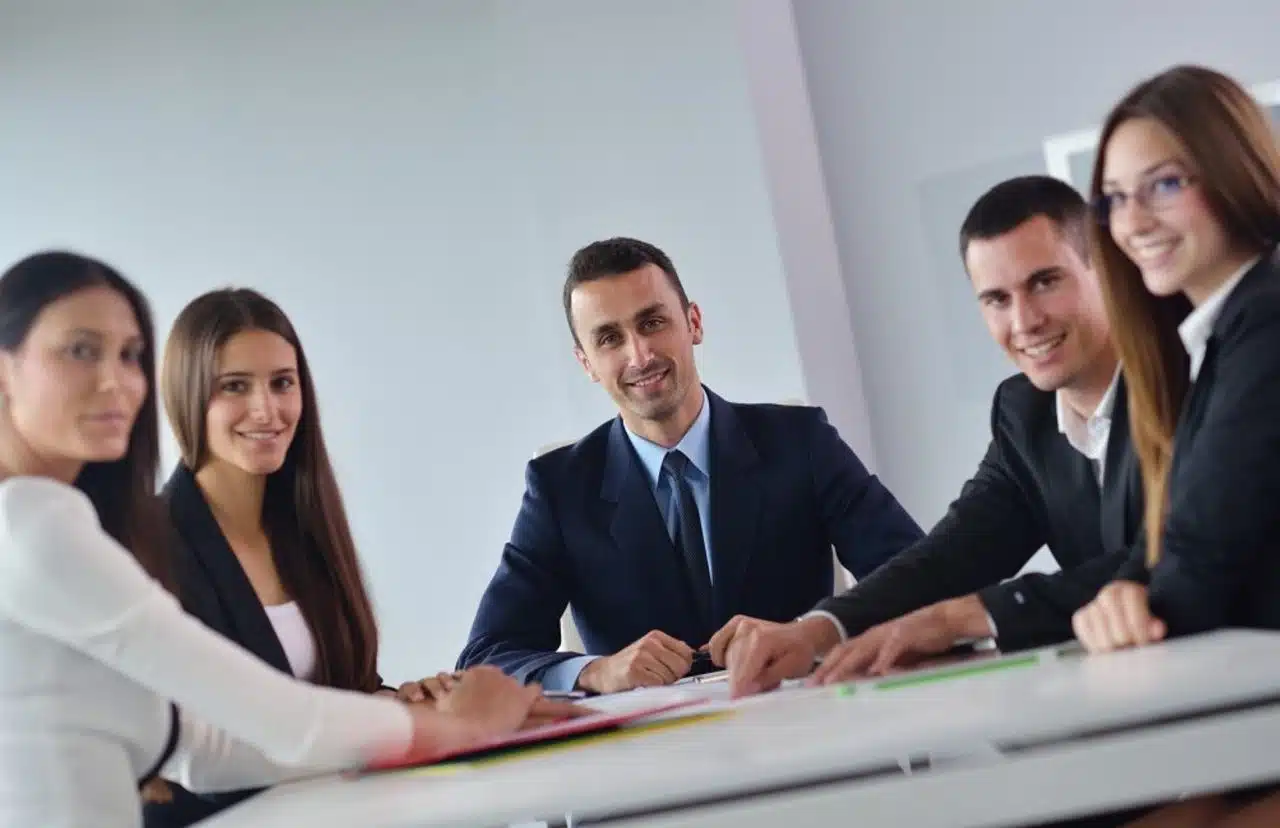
pixel 784 489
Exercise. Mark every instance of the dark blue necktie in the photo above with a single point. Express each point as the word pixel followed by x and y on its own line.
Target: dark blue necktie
pixel 688 537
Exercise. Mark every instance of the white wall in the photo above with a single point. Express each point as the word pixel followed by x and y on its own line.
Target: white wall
pixel 918 107
pixel 408 180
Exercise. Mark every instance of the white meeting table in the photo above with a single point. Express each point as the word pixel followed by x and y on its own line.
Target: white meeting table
pixel 1012 740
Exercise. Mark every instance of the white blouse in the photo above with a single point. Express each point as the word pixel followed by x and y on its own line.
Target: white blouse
pixel 295 637
pixel 92 649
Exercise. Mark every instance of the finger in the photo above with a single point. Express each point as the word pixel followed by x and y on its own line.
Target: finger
pixel 891 650
pixel 663 663
pixel 845 661
pixel 649 672
pixel 1137 616
pixel 748 660
pixel 1156 629
pixel 411 691
pixel 1116 623
pixel 676 663
pixel 1094 631
pixel 556 709
pixel 448 680
pixel 433 688
pixel 1082 626
pixel 788 664
pixel 718 646
pixel 675 645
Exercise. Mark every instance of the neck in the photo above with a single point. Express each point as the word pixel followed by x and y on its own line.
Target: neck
pixel 17 459
pixel 1085 393
pixel 669 431
pixel 234 496
pixel 1214 279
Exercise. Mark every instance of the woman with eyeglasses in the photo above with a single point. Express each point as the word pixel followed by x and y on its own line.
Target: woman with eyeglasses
pixel 1187 192
pixel 104 681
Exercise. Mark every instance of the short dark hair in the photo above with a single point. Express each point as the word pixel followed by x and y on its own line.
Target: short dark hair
pixel 1015 201
pixel 614 257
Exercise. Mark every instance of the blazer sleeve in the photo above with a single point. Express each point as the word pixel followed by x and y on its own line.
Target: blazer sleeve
pixel 987 534
pixel 1222 508
pixel 864 521
pixel 63 577
pixel 1035 610
pixel 517 625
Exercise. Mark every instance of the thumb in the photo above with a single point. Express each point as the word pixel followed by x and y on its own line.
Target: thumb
pixel 1156 629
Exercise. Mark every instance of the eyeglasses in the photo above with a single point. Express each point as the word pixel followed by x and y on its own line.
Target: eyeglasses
pixel 1155 195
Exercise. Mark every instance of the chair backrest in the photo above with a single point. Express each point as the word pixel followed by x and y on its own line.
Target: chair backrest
pixel 571 640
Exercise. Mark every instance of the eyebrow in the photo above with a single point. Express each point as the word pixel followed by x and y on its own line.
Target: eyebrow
pixel 646 311
pixel 1151 169
pixel 97 334
pixel 278 372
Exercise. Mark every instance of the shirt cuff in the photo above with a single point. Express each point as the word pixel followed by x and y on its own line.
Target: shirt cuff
pixel 991 622
pixel 844 636
pixel 564 676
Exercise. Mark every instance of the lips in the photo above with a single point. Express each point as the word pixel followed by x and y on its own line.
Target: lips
pixel 260 436
pixel 650 380
pixel 1148 253
pixel 1043 348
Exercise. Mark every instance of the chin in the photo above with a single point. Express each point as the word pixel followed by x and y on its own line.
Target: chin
pixel 104 452
pixel 260 466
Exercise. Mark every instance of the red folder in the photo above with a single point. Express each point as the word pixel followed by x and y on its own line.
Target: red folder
pixel 554 732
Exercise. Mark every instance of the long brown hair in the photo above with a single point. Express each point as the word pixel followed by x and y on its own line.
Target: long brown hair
pixel 1231 144
pixel 122 491
pixel 302 511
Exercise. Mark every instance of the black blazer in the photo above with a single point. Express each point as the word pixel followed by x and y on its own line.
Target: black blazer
pixel 1031 489
pixel 214 588
pixel 1219 563
pixel 784 489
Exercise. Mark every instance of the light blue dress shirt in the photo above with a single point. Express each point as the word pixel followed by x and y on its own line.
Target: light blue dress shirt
pixel 696 445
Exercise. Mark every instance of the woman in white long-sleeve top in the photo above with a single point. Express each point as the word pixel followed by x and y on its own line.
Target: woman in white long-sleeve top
pixel 104 681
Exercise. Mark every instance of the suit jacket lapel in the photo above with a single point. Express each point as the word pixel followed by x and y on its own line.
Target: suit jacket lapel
pixel 736 497
pixel 1121 503
pixel 250 626
pixel 637 527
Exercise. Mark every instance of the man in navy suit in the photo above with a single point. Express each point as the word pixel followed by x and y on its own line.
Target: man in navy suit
pixel 683 511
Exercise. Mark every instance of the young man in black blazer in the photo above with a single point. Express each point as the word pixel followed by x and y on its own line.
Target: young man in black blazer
pixel 1059 472
pixel 682 511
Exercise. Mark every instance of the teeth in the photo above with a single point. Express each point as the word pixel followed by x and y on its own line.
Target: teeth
pixel 260 435
pixel 649 380
pixel 1039 350
pixel 1152 251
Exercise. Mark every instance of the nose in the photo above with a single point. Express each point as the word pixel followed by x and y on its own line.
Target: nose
pixel 640 352
pixel 262 406
pixel 111 374
pixel 1129 218
pixel 1026 315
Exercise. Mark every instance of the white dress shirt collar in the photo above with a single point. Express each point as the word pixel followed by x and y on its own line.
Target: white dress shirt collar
pixel 1196 329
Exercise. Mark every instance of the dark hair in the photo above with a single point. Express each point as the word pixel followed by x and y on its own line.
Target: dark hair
pixel 302 512
pixel 123 492
pixel 1009 204
pixel 614 257
pixel 1230 142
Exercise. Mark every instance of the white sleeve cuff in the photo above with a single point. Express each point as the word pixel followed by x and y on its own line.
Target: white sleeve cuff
pixel 844 636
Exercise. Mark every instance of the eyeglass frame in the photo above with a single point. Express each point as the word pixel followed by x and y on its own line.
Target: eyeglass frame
pixel 1143 194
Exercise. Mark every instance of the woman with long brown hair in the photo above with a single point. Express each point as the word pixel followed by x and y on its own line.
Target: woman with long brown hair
pixel 104 681
pixel 1187 192
pixel 267 557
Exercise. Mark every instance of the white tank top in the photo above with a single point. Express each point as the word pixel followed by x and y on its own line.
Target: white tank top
pixel 295 637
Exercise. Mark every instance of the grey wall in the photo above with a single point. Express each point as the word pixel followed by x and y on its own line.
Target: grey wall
pixel 921 105
pixel 408 179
